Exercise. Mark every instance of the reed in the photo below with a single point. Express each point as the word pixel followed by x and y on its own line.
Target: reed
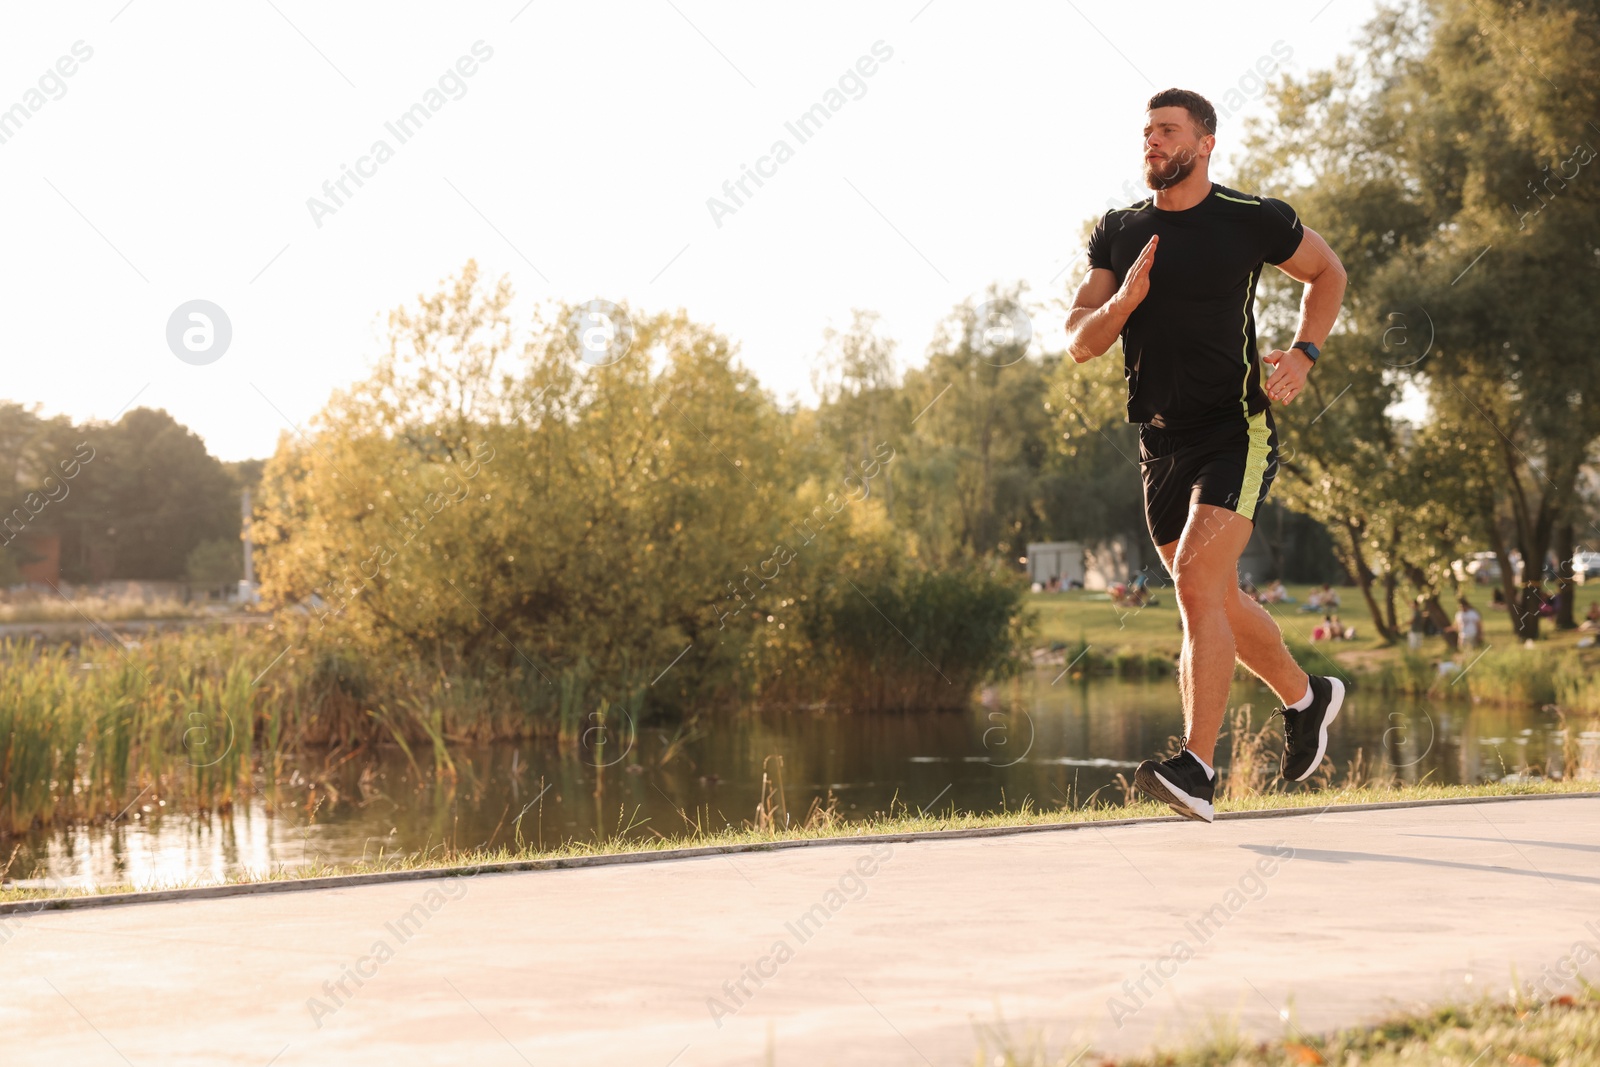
pixel 193 718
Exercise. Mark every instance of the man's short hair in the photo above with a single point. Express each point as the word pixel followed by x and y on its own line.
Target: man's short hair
pixel 1200 110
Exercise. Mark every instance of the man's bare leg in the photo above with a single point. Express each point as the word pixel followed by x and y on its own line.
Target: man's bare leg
pixel 1258 641
pixel 1221 624
pixel 1262 650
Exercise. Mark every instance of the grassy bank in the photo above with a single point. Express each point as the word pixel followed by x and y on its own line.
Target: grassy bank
pixel 826 823
pixel 1087 631
pixel 1522 1031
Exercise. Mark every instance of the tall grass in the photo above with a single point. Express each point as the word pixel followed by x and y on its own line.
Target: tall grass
pixel 194 717
pixel 191 718
pixel 1252 767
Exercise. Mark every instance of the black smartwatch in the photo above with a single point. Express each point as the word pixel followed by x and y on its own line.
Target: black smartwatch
pixel 1311 350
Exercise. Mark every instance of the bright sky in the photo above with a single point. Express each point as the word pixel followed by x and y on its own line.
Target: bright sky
pixel 176 161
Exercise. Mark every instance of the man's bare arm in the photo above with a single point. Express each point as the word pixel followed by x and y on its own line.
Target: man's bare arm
pixel 1315 264
pixel 1100 309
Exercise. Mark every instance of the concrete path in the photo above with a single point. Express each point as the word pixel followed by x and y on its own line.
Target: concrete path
pixel 1122 936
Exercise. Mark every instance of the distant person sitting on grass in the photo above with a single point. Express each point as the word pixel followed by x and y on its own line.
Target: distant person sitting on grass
pixel 1331 629
pixel 1469 624
pixel 1134 594
pixel 1276 593
pixel 1591 621
pixel 1324 599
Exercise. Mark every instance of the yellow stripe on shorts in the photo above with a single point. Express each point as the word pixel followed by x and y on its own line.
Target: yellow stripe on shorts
pixel 1255 464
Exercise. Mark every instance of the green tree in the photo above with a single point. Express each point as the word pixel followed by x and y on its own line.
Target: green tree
pixel 1516 328
pixel 216 562
pixel 39 463
pixel 980 476
pixel 553 515
pixel 1412 163
pixel 652 525
pixel 149 496
pixel 1098 462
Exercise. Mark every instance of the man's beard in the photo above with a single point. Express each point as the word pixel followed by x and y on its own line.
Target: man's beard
pixel 1182 165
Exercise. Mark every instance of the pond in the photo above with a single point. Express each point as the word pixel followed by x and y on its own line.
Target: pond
pixel 1038 739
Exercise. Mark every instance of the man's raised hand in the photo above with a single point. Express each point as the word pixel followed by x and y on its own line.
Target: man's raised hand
pixel 1136 285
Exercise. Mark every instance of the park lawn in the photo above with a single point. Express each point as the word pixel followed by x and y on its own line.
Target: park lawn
pixel 1066 620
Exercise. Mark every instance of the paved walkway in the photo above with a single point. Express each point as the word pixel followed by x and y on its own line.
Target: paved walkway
pixel 1084 934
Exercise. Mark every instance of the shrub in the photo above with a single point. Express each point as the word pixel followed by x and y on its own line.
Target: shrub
pixel 910 638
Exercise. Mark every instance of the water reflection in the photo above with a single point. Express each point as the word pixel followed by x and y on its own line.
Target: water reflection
pixel 1051 744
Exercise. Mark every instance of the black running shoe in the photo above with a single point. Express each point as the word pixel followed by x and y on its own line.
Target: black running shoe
pixel 1180 783
pixel 1305 733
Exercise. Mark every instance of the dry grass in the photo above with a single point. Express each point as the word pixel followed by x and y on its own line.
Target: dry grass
pixel 1520 1031
pixel 50 608
pixel 1251 767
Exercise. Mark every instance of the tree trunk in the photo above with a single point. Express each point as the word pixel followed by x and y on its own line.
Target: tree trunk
pixel 1391 580
pixel 1389 583
pixel 1430 604
pixel 1524 616
pixel 1565 546
pixel 1364 576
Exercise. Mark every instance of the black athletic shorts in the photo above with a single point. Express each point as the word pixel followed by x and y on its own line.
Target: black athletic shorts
pixel 1230 465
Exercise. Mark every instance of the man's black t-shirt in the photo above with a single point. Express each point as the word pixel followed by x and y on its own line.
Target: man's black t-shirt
pixel 1189 348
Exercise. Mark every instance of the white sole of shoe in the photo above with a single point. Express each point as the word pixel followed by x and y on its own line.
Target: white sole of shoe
pixel 1335 702
pixel 1176 799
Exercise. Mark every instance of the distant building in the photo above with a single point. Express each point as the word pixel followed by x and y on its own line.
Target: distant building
pixel 1096 565
pixel 1101 564
pixel 1056 559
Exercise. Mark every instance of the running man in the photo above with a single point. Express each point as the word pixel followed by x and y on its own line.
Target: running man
pixel 1174 276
